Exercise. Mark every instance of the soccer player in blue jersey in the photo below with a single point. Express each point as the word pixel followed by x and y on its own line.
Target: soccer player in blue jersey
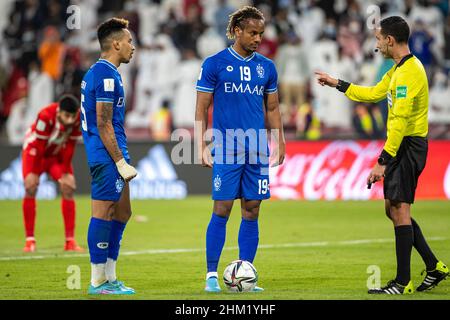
pixel 242 84
pixel 102 122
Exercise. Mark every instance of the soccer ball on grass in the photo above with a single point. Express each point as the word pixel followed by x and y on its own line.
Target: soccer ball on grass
pixel 240 276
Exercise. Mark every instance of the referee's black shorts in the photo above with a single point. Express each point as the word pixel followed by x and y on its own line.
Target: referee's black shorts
pixel 403 171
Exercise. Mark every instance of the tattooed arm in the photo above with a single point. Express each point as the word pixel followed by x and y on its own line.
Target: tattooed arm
pixel 106 130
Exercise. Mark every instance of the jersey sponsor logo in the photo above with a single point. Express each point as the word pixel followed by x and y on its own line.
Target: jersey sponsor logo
pixel 40 125
pixel 120 102
pixel 217 183
pixel 157 178
pixel 260 71
pixel 11 183
pixel 231 87
pixel 108 85
pixel 401 92
pixel 229 68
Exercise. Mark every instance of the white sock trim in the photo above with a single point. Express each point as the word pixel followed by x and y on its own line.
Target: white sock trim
pixel 110 270
pixel 98 274
pixel 211 274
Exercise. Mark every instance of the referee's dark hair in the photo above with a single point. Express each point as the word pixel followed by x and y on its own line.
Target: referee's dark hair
pixel 396 27
pixel 110 29
pixel 239 19
pixel 68 103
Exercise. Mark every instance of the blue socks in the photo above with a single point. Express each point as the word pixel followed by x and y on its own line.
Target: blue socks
pixel 215 239
pixel 115 237
pixel 248 239
pixel 98 240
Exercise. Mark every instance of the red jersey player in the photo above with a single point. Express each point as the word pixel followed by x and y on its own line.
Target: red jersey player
pixel 48 147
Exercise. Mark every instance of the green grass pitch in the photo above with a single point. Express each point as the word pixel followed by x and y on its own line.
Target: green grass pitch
pixel 308 250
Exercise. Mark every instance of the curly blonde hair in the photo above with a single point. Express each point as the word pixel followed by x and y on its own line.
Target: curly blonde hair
pixel 239 17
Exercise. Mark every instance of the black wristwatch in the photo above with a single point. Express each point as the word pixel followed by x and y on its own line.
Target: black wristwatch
pixel 381 161
pixel 342 85
pixel 384 158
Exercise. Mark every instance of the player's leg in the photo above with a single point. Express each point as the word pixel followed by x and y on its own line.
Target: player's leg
pixel 226 187
pixel 121 215
pixel 31 183
pixel 215 241
pixel 67 186
pixel 399 213
pixel 255 188
pixel 249 231
pixel 106 190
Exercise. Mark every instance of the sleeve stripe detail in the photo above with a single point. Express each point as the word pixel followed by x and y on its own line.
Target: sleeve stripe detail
pixel 206 88
pixel 105 100
pixel 42 137
pixel 271 90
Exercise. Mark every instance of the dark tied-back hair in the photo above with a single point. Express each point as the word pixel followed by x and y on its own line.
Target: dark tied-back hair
pixel 239 19
pixel 109 29
pixel 396 27
pixel 68 103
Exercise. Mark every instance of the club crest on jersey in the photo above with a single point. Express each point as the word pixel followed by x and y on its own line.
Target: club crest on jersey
pixel 119 185
pixel 217 183
pixel 260 71
pixel 229 68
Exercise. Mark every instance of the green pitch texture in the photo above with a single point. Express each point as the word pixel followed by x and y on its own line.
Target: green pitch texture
pixel 308 250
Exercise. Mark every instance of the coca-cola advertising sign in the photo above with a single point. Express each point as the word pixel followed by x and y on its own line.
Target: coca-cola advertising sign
pixel 338 170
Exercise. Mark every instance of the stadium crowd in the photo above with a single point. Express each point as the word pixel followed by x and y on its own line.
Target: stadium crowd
pixel 47 46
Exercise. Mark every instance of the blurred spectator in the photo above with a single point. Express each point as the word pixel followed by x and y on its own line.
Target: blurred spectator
pixel 432 18
pixel 210 42
pixel 420 44
pixel 187 32
pixel 161 123
pixel 221 17
pixel 367 122
pixel 72 74
pixel 293 74
pixel 159 80
pixel 307 123
pixel 184 94
pixel 51 53
pixel 40 94
pixel 15 124
pixel 334 36
pixel 439 108
pixel 446 63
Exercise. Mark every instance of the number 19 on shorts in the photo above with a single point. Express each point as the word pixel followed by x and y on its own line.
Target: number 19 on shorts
pixel 263 186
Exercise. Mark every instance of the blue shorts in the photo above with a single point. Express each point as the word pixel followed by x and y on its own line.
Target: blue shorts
pixel 106 184
pixel 234 181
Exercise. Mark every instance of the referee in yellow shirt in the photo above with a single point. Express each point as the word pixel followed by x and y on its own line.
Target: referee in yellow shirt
pixel 405 152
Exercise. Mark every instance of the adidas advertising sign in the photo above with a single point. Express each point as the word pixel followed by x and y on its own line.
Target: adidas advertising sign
pixel 157 178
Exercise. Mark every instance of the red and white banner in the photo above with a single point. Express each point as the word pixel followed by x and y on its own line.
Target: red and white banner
pixel 338 170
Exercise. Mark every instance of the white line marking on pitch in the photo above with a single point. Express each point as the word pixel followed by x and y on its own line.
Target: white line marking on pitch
pixel 262 246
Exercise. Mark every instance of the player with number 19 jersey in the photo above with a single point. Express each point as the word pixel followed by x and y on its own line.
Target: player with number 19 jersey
pixel 102 83
pixel 239 85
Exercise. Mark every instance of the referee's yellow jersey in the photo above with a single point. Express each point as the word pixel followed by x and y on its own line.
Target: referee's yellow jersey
pixel 406 87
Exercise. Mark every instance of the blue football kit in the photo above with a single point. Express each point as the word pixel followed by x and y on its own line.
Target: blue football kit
pixel 103 83
pixel 240 150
